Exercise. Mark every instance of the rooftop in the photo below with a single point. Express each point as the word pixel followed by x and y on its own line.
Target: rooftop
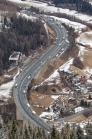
pixel 14 56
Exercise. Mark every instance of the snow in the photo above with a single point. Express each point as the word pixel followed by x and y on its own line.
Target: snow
pixel 78 109
pixel 55 77
pixel 87 71
pixel 66 66
pixel 77 26
pixel 81 51
pixel 89 81
pixel 54 96
pixel 86 38
pixel 46 113
pixel 44 7
pixel 45 25
pixel 5 89
pixel 32 18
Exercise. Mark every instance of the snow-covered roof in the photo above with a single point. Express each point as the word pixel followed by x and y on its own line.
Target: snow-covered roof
pixel 14 56
pixel 78 109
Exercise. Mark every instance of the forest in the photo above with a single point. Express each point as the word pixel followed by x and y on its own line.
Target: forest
pixel 79 5
pixel 11 130
pixel 20 34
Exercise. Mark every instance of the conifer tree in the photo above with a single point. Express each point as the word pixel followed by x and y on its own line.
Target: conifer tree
pixel 89 131
pixel 79 133
pixel 26 134
pixel 54 134
pixel 13 128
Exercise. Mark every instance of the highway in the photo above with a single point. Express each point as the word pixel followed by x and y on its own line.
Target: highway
pixel 26 76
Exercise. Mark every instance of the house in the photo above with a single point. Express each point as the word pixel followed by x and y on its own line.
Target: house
pixel 78 109
pixel 14 58
pixel 72 100
pixel 71 72
pixel 83 79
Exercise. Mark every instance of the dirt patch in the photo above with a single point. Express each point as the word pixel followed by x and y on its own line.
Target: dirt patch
pixel 43 73
pixel 12 72
pixel 52 34
pixel 37 110
pixel 77 70
pixel 39 101
pixel 78 118
pixel 87 58
pixel 70 53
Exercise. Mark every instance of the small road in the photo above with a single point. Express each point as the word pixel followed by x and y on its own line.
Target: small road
pixel 26 76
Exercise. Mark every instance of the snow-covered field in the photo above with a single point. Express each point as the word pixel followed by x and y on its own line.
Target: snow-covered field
pixel 86 38
pixel 5 89
pixel 32 18
pixel 55 75
pixel 77 26
pixel 44 7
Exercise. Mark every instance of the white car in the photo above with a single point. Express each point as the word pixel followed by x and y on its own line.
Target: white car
pixel 57 55
pixel 16 85
pixel 33 112
pixel 24 91
pixel 28 105
pixel 63 38
pixel 28 77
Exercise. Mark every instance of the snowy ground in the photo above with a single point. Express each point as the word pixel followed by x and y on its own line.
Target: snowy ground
pixel 44 7
pixel 85 38
pixel 77 26
pixel 32 18
pixel 5 89
pixel 55 75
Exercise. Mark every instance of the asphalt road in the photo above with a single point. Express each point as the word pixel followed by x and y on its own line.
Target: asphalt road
pixel 26 76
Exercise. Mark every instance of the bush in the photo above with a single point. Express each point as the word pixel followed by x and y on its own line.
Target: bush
pixel 78 63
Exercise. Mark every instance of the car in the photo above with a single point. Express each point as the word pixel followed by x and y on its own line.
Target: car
pixel 28 77
pixel 28 105
pixel 63 38
pixel 59 44
pixel 56 38
pixel 41 62
pixel 57 55
pixel 33 112
pixel 24 91
pixel 16 85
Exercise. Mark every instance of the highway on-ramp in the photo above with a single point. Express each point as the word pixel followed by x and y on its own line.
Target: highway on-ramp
pixel 26 76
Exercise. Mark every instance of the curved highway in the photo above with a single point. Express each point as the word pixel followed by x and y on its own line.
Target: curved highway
pixel 26 76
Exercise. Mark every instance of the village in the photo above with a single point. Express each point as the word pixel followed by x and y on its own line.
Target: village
pixel 74 100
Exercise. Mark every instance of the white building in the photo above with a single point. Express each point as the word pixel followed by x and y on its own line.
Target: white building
pixel 14 58
pixel 78 109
